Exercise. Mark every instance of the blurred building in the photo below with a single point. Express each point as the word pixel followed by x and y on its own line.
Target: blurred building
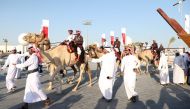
pixel 10 47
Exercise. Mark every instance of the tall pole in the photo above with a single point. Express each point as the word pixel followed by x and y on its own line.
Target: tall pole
pixel 180 8
pixel 87 23
pixel 6 41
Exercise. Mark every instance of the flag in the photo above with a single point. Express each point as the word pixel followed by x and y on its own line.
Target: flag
pixel 187 23
pixel 112 37
pixel 124 37
pixel 103 39
pixel 45 26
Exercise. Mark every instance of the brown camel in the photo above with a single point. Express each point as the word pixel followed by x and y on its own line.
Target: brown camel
pixel 95 52
pixel 38 39
pixel 147 57
pixel 59 57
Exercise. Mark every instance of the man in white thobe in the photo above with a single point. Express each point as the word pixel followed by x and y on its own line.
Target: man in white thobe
pixel 129 65
pixel 12 70
pixel 107 73
pixel 163 67
pixel 178 71
pixel 33 91
pixel 18 73
pixel 71 36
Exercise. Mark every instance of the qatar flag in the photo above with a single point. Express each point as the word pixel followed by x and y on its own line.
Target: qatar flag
pixel 124 37
pixel 187 23
pixel 45 26
pixel 112 37
pixel 103 39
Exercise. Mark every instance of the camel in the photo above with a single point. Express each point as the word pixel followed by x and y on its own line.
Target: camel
pixel 95 52
pixel 147 57
pixel 38 39
pixel 60 58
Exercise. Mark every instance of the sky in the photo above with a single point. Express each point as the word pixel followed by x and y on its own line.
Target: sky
pixel 139 17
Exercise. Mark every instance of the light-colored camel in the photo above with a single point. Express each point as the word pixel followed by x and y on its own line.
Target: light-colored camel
pixel 38 39
pixel 147 57
pixel 57 58
pixel 60 58
pixel 95 52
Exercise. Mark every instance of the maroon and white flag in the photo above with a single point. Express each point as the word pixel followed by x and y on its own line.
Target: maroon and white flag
pixel 112 37
pixel 103 39
pixel 45 27
pixel 124 36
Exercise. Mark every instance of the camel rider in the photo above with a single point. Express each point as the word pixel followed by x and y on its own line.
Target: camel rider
pixel 71 36
pixel 70 41
pixel 154 48
pixel 78 41
pixel 117 44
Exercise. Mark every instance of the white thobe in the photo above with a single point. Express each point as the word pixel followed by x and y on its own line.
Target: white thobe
pixel 70 37
pixel 178 71
pixel 128 63
pixel 108 68
pixel 12 70
pixel 163 67
pixel 33 91
pixel 18 73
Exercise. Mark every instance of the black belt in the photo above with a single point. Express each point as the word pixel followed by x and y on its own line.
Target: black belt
pixel 32 71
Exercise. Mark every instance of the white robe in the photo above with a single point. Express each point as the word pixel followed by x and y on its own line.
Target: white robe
pixel 70 37
pixel 12 70
pixel 108 68
pixel 128 63
pixel 178 71
pixel 33 91
pixel 18 73
pixel 163 67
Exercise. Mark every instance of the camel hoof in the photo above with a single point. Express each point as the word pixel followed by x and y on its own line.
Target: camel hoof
pixel 90 85
pixel 49 88
pixel 74 90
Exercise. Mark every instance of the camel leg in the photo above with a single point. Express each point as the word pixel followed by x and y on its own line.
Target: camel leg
pixel 147 68
pixel 75 72
pixel 89 75
pixel 82 69
pixel 98 70
pixel 52 75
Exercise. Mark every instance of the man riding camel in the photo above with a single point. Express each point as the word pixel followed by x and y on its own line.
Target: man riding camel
pixel 79 50
pixel 154 49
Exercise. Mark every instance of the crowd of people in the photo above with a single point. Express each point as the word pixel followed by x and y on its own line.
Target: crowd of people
pixel 129 65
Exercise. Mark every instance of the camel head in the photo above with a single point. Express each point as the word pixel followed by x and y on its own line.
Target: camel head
pixel 91 50
pixel 21 39
pixel 30 38
pixel 94 51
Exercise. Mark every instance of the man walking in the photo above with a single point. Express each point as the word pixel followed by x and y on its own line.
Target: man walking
pixel 33 91
pixel 129 65
pixel 163 67
pixel 12 70
pixel 107 73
